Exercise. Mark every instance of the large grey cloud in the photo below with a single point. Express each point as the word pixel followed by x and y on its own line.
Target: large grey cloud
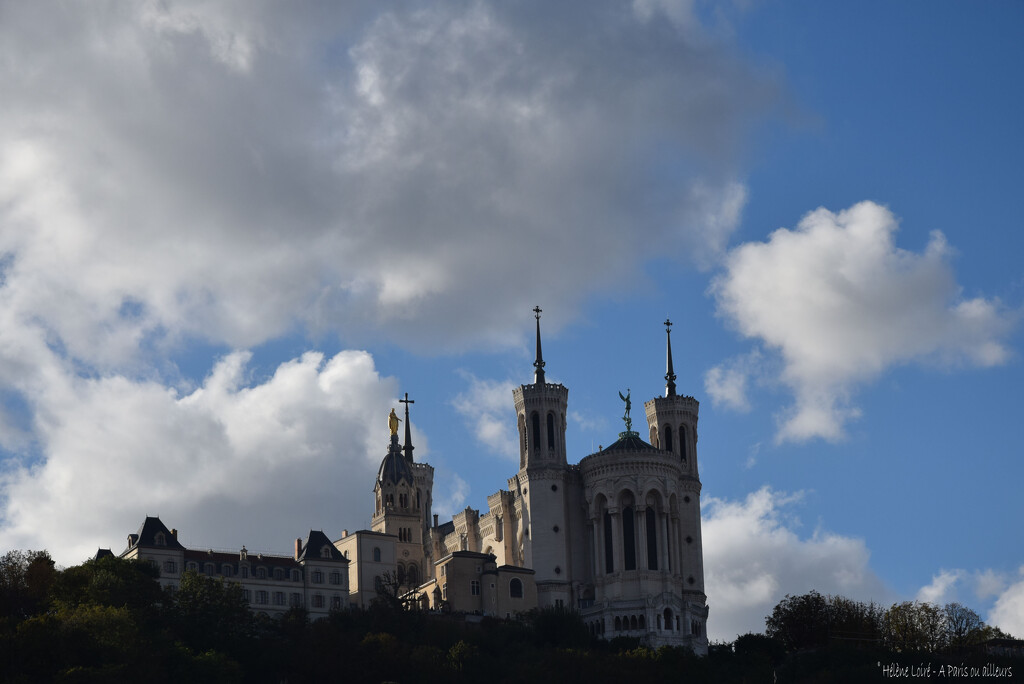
pixel 227 171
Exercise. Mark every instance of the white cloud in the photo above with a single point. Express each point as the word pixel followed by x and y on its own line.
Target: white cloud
pixel 1008 611
pixel 727 383
pixel 487 407
pixel 841 304
pixel 940 590
pixel 231 463
pixel 753 558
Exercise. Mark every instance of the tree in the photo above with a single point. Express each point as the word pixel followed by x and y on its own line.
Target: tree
pixel 799 622
pixel 26 578
pixel 963 625
pixel 914 626
pixel 211 614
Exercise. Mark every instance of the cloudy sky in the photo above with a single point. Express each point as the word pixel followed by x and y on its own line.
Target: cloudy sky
pixel 232 235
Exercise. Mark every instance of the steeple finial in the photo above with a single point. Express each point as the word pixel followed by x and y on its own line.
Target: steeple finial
pixel 408 429
pixel 670 376
pixel 538 376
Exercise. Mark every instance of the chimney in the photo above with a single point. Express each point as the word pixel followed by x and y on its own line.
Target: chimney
pixel 298 548
pixel 344 533
pixel 174 533
pixel 435 520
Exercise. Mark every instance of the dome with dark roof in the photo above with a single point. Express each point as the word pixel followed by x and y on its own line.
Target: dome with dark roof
pixel 630 441
pixel 394 468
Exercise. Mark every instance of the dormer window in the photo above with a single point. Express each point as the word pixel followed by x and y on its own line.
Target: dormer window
pixel 160 539
pixel 325 552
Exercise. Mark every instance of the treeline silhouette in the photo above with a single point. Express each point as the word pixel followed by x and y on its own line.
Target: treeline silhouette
pixel 108 620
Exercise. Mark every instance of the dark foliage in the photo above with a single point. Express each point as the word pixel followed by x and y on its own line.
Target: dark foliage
pixel 108 620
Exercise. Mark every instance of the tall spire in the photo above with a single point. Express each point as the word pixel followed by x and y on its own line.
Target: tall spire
pixel 408 429
pixel 538 376
pixel 670 376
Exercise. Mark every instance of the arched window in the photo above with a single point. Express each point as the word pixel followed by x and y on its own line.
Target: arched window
pixel 682 441
pixel 618 624
pixel 400 573
pixel 515 588
pixel 412 575
pixel 376 554
pixel 551 431
pixel 668 438
pixel 208 568
pixel 159 539
pixel 226 570
pixel 609 552
pixel 632 622
pixel 642 622
pixel 535 427
pixel 278 574
pixel 652 541
pixel 325 551
pixel 522 442
pixel 668 619
pixel 629 538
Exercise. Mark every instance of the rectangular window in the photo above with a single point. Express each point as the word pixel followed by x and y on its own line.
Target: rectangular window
pixel 318 577
pixel 170 567
pixel 335 602
pixel 261 598
pixel 278 598
pixel 474 588
pixel 444 591
pixel 335 577
pixel 318 600
pixel 244 571
pixel 609 555
pixel 559 603
pixel 247 595
pixel 296 600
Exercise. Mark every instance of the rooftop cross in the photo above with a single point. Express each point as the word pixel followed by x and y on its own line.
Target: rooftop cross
pixel 670 376
pixel 408 429
pixel 538 376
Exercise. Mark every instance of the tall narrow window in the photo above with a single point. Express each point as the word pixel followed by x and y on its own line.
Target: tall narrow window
pixel 376 555
pixel 551 431
pixel 629 538
pixel 668 438
pixel 609 552
pixel 535 426
pixel 515 588
pixel 682 441
pixel 652 541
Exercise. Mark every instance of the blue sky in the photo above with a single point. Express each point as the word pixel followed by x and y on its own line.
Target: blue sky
pixel 232 237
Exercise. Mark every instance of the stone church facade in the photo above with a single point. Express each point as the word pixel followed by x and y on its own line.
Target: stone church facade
pixel 616 536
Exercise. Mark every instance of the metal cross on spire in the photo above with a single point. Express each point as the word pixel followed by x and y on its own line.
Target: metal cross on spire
pixel 538 376
pixel 670 376
pixel 408 429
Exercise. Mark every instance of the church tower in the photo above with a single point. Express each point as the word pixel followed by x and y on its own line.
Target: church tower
pixel 672 421
pixel 402 495
pixel 543 521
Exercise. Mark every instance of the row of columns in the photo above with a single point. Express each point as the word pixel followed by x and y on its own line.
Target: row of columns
pixel 666 530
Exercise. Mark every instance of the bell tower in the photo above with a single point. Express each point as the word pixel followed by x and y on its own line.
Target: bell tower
pixel 543 526
pixel 402 495
pixel 672 421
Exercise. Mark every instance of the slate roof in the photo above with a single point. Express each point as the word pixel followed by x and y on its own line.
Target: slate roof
pixel 394 468
pixel 316 540
pixel 630 441
pixel 147 535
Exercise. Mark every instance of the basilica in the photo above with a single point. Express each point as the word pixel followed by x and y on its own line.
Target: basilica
pixel 615 537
